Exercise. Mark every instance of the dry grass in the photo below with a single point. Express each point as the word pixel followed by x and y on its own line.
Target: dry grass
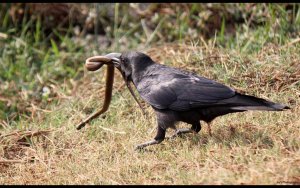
pixel 246 148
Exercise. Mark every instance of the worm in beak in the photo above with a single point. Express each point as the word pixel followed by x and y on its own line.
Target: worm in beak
pixel 94 63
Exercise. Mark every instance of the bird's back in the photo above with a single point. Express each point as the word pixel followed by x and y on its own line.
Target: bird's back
pixel 170 88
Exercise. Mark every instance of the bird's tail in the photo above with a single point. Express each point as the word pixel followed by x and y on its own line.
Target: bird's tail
pixel 247 102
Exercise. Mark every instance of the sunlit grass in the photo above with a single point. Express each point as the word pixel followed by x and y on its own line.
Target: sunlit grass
pixel 260 58
pixel 246 148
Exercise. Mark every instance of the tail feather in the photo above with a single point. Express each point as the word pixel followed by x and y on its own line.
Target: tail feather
pixel 247 102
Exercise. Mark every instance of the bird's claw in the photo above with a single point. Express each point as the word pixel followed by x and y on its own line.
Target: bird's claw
pixel 139 148
pixel 180 132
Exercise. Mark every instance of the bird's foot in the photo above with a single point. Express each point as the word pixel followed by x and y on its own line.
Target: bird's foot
pixel 180 132
pixel 139 147
pixel 143 145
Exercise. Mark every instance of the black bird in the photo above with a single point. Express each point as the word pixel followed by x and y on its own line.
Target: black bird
pixel 177 95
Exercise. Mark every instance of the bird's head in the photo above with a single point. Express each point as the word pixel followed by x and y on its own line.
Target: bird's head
pixel 126 62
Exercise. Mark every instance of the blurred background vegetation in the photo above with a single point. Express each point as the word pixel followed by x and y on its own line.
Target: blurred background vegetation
pixel 43 46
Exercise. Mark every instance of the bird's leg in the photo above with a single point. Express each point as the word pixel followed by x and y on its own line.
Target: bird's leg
pixel 180 132
pixel 209 128
pixel 160 136
pixel 196 127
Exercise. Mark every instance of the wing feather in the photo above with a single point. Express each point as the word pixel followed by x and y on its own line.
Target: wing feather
pixel 170 88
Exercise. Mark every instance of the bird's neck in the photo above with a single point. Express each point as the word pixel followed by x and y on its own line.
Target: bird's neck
pixel 139 70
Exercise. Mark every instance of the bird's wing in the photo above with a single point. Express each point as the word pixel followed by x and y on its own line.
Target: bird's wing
pixel 176 90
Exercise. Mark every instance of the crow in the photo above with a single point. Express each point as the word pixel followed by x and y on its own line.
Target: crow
pixel 180 96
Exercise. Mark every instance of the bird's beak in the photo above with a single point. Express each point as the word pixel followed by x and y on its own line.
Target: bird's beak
pixel 96 62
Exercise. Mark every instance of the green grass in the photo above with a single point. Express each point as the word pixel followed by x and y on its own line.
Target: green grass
pixel 45 87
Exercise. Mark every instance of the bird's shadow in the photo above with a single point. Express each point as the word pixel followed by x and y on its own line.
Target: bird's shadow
pixel 244 134
pixel 241 134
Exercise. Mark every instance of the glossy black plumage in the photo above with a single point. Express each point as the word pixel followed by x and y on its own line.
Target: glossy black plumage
pixel 177 95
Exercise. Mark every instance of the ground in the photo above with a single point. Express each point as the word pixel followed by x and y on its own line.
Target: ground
pixel 245 148
pixel 45 91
